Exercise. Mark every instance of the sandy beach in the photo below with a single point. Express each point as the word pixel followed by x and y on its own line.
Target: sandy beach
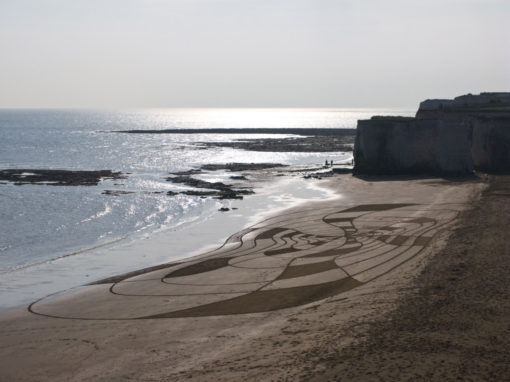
pixel 361 287
pixel 266 191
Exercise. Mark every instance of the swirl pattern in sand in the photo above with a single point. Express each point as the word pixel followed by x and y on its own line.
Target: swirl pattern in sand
pixel 285 261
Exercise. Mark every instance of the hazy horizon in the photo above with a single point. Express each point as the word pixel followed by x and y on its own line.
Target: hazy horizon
pixel 139 54
pixel 148 108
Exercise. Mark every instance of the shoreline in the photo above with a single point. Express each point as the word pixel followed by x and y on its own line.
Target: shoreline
pixel 161 245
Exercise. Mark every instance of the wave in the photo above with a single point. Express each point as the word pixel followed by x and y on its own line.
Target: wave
pixel 105 212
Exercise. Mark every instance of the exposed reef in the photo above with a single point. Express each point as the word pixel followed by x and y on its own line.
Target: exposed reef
pixel 203 188
pixel 233 167
pixel 294 131
pixel 447 137
pixel 301 144
pixel 58 177
pixel 219 190
pixel 117 192
pixel 309 140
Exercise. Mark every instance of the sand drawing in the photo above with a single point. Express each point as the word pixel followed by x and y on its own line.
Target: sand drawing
pixel 282 262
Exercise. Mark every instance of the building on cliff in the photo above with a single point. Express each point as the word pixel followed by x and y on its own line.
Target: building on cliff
pixel 447 137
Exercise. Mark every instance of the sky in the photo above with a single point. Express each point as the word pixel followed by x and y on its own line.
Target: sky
pixel 249 53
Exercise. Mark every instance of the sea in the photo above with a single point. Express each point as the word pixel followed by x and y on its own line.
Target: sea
pixel 60 237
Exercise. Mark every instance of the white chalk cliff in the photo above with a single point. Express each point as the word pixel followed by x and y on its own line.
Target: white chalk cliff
pixel 448 137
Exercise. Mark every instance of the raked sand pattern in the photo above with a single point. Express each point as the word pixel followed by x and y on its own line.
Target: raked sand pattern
pixel 285 261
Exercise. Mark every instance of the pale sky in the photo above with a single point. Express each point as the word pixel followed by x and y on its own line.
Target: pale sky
pixel 250 53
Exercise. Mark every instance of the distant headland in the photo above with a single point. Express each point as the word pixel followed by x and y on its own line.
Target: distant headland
pixel 448 137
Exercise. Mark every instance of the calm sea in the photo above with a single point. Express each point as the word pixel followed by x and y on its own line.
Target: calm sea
pixel 40 223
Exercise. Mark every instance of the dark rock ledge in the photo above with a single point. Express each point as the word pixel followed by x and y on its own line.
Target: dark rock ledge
pixel 233 167
pixel 57 177
pixel 218 190
pixel 295 131
pixel 309 140
pixel 281 145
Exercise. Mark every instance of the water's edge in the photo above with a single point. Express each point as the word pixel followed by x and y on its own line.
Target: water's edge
pixel 25 285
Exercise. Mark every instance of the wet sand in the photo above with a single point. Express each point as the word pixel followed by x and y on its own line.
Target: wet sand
pixel 306 294
pixel 163 245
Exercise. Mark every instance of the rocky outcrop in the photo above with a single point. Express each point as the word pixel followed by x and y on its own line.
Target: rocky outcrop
pixel 58 177
pixel 232 167
pixel 294 144
pixel 314 131
pixel 447 137
pixel 236 167
pixel 218 190
pixel 309 140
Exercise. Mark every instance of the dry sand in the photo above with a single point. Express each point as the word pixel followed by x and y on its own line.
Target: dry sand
pixel 325 291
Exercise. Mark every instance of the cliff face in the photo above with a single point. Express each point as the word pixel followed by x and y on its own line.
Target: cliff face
pixel 416 146
pixel 447 137
pixel 491 144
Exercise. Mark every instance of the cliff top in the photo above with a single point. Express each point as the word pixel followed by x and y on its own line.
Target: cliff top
pixel 391 118
pixel 482 102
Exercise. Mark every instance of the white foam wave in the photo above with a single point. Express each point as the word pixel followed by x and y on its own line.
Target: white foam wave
pixel 105 212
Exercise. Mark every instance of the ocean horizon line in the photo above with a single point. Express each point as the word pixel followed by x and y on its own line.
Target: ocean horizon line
pixel 128 109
